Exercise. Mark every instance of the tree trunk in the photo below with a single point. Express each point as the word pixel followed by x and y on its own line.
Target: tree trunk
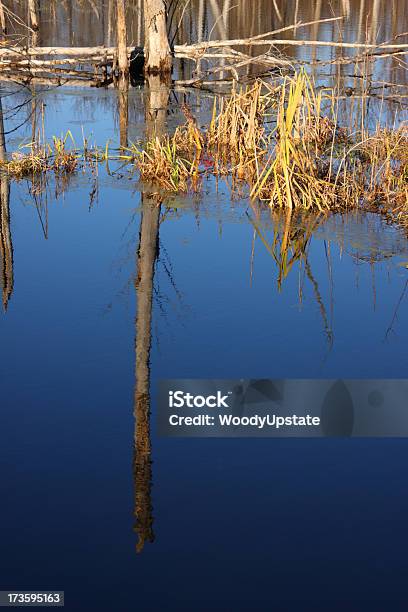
pixel 123 108
pixel 123 67
pixel 34 21
pixel 157 48
pixel 123 62
pixel 3 152
pixel 2 20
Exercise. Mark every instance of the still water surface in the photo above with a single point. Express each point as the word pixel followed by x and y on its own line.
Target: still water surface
pixel 92 22
pixel 238 524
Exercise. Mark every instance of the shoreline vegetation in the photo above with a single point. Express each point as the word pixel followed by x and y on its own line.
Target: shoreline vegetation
pixel 280 144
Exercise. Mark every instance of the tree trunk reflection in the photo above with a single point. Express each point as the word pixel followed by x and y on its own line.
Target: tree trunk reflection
pixel 6 246
pixel 157 96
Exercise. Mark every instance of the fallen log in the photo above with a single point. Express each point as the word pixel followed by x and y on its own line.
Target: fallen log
pixel 196 50
pixel 28 72
pixel 285 42
pixel 50 63
pixel 53 59
pixel 76 52
pixel 48 80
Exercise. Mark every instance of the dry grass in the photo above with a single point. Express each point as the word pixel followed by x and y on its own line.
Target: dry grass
pixel 385 157
pixel 161 162
pixel 42 158
pixel 60 156
pixel 304 162
pixel 300 171
pixel 236 137
pixel 386 144
pixel 281 145
pixel 188 138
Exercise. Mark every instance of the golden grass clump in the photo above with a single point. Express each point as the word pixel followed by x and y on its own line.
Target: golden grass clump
pixel 385 154
pixel 63 160
pixel 189 140
pixel 300 171
pixel 300 159
pixel 41 158
pixel 236 136
pixel 390 192
pixel 160 162
pixel 386 144
pixel 188 137
pixel 23 164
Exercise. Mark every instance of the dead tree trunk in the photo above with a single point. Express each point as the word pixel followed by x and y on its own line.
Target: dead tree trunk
pixel 3 152
pixel 34 21
pixel 2 20
pixel 123 63
pixel 157 48
pixel 123 108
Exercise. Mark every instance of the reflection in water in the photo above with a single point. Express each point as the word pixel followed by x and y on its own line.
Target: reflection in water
pixel 81 23
pixel 322 308
pixel 390 328
pixel 123 108
pixel 290 241
pixel 157 96
pixel 289 249
pixel 6 246
pixel 260 315
pixel 362 236
pixel 290 245
pixel 146 258
pixel 78 23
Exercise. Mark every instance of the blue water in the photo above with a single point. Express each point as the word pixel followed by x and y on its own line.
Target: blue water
pixel 293 525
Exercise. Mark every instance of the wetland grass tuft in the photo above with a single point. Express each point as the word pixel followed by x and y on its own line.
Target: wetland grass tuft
pixel 286 146
pixel 42 158
pixel 160 162
pixel 385 154
pixel 300 170
pixel 237 138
